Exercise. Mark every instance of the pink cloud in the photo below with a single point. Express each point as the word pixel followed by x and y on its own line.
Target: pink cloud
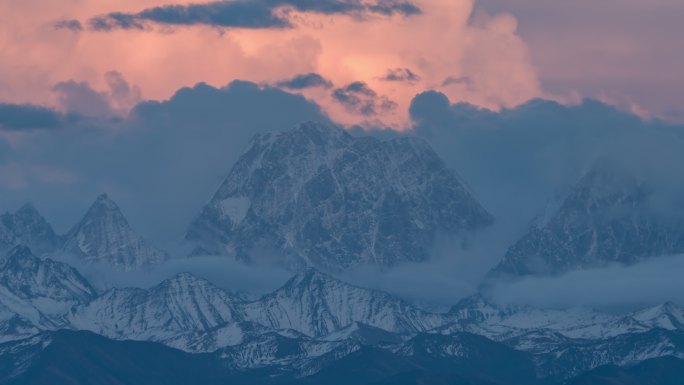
pixel 442 42
pixel 628 49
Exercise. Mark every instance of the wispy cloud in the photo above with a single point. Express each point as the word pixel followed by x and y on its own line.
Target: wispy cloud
pixel 361 99
pixel 400 75
pixel 250 14
pixel 300 82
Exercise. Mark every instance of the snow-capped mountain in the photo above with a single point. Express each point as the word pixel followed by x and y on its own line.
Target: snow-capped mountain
pixel 27 227
pixel 609 217
pixel 316 304
pixel 315 323
pixel 477 315
pixel 192 314
pixel 319 197
pixel 577 356
pixel 104 236
pixel 38 293
pixel 666 316
pixel 179 305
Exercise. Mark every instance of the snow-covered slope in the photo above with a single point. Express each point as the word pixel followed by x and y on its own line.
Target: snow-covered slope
pixel 476 315
pixel 316 304
pixel 317 196
pixel 315 320
pixel 182 304
pixel 27 227
pixel 104 236
pixel 665 316
pixel 609 217
pixel 38 293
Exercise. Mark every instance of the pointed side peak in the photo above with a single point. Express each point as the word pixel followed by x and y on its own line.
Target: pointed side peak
pixel 28 209
pixel 307 276
pixel 183 277
pixel 185 283
pixel 19 258
pixel 104 199
pixel 312 273
pixel 670 306
pixel 20 251
pixel 27 214
pixel 103 204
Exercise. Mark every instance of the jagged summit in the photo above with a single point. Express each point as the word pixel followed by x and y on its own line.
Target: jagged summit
pixel 608 217
pixel 48 286
pixel 104 236
pixel 666 316
pixel 104 208
pixel 317 196
pixel 308 276
pixel 104 200
pixel 18 256
pixel 27 227
pixel 317 130
pixel 317 304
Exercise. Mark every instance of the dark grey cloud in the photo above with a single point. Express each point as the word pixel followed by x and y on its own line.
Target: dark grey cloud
pixel 15 117
pixel 400 75
pixel 390 7
pixel 81 98
pixel 300 82
pixel 464 80
pixel 161 163
pixel 115 20
pixel 246 13
pixel 517 160
pixel 357 97
pixel 221 271
pixel 70 24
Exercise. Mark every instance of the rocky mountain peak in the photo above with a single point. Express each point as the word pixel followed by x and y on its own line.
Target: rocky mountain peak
pixel 316 196
pixel 608 217
pixel 307 277
pixel 27 227
pixel 18 256
pixel 104 236
pixel 31 277
pixel 104 209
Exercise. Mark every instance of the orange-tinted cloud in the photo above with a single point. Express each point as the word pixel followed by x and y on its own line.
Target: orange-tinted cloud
pixel 445 41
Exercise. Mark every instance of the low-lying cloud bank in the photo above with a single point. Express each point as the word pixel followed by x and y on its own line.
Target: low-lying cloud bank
pixel 617 287
pixel 237 277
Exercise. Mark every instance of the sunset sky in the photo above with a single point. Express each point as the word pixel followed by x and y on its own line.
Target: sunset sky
pixel 371 56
